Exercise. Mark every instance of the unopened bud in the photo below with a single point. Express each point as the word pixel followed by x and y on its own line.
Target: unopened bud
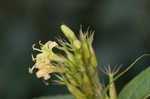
pixel 77 44
pixel 93 59
pixel 86 52
pixel 68 32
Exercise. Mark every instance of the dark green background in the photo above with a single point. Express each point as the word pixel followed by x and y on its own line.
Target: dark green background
pixel 122 33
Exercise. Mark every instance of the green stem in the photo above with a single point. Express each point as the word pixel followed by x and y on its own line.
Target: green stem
pixel 112 88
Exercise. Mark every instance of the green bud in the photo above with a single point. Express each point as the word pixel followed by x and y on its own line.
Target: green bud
pixel 77 44
pixel 93 59
pixel 86 53
pixel 85 49
pixel 68 32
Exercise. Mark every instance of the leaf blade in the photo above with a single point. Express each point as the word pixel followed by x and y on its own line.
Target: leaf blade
pixel 138 87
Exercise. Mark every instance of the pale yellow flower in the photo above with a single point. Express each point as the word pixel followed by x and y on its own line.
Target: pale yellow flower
pixel 43 60
pixel 45 72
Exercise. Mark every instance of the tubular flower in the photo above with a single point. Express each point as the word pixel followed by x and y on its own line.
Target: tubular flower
pixel 43 60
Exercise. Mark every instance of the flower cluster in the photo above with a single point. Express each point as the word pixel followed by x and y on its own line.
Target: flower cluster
pixel 43 60
pixel 76 68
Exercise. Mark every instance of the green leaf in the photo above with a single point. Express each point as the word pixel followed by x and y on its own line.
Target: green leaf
pixel 138 88
pixel 57 97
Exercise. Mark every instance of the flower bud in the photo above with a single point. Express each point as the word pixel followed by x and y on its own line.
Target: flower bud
pixel 77 44
pixel 86 53
pixel 68 33
pixel 93 59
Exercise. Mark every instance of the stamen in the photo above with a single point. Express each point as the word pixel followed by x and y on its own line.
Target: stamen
pixel 41 45
pixel 33 58
pixel 33 47
pixel 31 69
pixel 107 70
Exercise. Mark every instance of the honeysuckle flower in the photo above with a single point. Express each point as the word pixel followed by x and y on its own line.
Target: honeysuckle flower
pixel 44 72
pixel 43 60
